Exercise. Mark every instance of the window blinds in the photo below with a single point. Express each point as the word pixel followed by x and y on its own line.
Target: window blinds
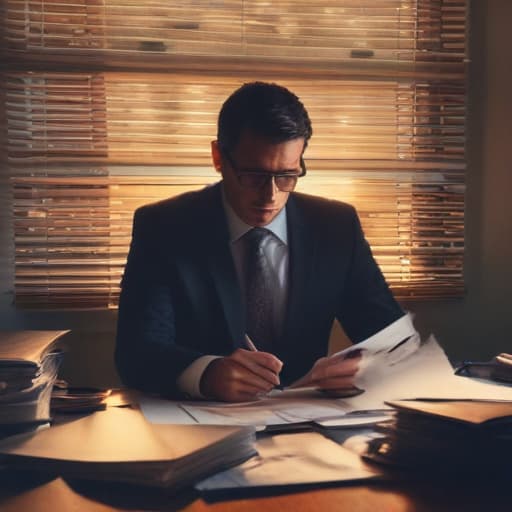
pixel 112 104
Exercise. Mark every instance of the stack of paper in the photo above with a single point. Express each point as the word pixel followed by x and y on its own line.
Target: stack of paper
pixel 120 445
pixel 29 361
pixel 446 435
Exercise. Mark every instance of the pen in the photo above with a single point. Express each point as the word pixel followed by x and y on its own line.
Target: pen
pixel 250 345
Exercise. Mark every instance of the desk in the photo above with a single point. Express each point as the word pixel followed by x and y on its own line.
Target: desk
pixel 26 492
pixel 34 494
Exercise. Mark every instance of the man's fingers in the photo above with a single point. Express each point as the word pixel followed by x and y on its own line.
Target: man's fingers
pixel 265 359
pixel 225 379
pixel 338 366
pixel 327 369
pixel 262 364
pixel 245 378
pixel 354 354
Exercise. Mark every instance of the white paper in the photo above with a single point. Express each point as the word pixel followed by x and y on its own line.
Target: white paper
pixel 158 410
pixel 425 374
pixel 281 409
pixel 385 339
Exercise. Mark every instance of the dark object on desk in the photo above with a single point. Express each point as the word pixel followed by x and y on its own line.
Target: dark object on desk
pixel 119 445
pixel 342 393
pixel 68 399
pixel 453 436
pixel 498 369
pixel 29 362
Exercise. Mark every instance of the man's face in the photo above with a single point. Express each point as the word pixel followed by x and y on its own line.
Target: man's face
pixel 257 206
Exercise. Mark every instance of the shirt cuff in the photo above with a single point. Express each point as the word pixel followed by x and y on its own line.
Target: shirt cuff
pixel 190 378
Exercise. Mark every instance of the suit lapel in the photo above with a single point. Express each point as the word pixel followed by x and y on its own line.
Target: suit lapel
pixel 221 267
pixel 302 248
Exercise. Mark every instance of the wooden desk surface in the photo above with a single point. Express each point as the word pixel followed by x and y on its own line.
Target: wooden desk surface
pixel 23 494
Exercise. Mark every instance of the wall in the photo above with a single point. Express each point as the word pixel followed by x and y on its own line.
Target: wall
pixel 480 325
pixel 477 326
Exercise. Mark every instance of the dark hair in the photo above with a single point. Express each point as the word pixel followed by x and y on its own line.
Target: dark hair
pixel 264 109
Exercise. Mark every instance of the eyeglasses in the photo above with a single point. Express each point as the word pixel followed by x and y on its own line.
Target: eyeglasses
pixel 285 181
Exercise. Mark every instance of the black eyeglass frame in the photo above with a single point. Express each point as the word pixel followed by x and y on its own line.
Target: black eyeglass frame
pixel 264 174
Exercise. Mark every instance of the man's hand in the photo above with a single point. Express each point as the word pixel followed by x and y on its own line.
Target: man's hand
pixel 334 375
pixel 241 376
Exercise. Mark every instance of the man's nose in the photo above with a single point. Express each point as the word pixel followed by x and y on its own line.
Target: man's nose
pixel 269 190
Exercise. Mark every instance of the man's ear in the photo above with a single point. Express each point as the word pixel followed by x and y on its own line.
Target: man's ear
pixel 216 156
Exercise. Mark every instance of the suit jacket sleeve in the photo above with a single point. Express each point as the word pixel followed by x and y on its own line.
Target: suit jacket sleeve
pixel 367 304
pixel 147 354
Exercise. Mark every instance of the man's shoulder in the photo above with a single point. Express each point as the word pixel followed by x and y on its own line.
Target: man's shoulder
pixel 186 204
pixel 317 205
pixel 328 219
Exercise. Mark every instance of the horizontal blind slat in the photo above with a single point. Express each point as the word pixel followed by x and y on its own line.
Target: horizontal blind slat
pixel 384 83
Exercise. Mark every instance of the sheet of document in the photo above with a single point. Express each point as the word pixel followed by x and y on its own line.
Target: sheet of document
pixel 277 410
pixel 161 411
pixel 290 460
pixel 427 373
pixel 388 340
pixel 283 408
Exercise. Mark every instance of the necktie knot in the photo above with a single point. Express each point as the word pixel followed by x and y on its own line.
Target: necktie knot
pixel 255 238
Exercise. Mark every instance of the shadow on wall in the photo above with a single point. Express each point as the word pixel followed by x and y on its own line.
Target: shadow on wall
pixel 89 359
pixel 89 356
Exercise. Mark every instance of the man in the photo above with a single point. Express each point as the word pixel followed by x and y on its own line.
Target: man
pixel 211 307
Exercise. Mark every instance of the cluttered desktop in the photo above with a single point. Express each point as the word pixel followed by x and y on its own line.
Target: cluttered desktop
pixel 422 436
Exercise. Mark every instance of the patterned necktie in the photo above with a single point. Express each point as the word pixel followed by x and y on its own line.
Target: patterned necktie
pixel 259 290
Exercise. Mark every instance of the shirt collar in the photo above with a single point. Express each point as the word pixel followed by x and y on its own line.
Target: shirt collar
pixel 238 228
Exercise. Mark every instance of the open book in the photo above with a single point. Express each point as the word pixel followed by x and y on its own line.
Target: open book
pixel 120 445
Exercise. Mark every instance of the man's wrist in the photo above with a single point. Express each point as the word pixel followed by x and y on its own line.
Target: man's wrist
pixel 205 382
pixel 189 381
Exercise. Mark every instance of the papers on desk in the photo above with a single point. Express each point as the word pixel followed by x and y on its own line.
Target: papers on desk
pixel 280 411
pixel 120 445
pixel 388 346
pixel 394 366
pixel 29 361
pixel 288 460
pixel 426 373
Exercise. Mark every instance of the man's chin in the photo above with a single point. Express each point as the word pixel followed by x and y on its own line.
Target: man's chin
pixel 261 217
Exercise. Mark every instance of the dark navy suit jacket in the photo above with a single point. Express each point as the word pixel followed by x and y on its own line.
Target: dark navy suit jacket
pixel 180 297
